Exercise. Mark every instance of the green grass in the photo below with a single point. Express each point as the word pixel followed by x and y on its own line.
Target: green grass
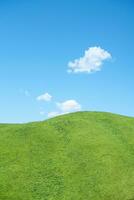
pixel 80 156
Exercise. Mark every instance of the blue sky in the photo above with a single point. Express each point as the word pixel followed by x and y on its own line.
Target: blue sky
pixel 39 38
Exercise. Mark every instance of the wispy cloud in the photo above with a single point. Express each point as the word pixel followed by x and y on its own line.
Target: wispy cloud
pixel 53 114
pixel 42 113
pixel 92 61
pixel 27 93
pixel 44 97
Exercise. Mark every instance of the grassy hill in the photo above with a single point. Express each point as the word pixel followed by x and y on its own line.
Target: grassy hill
pixel 80 156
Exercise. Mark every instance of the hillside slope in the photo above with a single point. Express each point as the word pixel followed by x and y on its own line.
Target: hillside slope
pixel 80 156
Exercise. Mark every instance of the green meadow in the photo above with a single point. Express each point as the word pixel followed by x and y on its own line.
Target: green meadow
pixel 79 156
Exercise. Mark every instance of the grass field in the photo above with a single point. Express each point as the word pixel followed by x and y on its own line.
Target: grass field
pixel 79 156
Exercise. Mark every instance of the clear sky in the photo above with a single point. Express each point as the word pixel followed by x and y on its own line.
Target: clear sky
pixel 39 38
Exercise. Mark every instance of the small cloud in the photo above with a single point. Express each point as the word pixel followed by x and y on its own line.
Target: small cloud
pixel 53 114
pixel 44 97
pixel 65 108
pixel 69 106
pixel 92 61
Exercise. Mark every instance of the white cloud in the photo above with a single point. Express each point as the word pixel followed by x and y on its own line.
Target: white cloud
pixel 69 106
pixel 91 61
pixel 44 97
pixel 65 108
pixel 53 114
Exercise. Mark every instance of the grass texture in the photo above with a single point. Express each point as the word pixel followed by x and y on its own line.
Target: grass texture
pixel 79 156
